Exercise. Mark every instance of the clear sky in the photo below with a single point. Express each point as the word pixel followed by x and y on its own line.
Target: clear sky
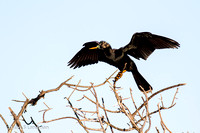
pixel 38 38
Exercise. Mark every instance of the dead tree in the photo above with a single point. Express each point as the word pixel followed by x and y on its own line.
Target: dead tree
pixel 138 117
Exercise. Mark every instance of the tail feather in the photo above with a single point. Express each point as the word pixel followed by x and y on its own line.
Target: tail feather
pixel 141 82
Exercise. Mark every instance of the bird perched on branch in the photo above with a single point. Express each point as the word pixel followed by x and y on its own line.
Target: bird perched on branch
pixel 141 46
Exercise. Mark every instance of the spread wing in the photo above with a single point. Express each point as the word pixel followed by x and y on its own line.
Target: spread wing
pixel 85 56
pixel 144 43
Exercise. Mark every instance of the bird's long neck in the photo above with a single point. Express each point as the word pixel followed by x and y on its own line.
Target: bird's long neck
pixel 108 51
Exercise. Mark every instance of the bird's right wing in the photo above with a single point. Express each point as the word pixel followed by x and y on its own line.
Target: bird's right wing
pixel 85 56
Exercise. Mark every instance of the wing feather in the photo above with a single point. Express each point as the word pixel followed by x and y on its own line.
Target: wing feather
pixel 85 56
pixel 144 43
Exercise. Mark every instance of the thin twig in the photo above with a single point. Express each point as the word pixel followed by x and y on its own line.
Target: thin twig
pixel 34 101
pixel 97 109
pixel 175 96
pixel 107 115
pixel 16 120
pixel 4 121
pixel 162 122
pixel 119 101
pixel 157 130
pixel 135 104
pixel 118 111
pixel 77 116
pixel 146 106
pixel 31 122
pixel 74 89
pixel 154 94
pixel 19 114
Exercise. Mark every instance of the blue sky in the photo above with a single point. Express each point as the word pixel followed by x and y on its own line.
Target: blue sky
pixel 38 38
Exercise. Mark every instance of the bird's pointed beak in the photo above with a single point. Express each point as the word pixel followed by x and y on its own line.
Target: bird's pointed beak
pixel 93 48
pixel 97 47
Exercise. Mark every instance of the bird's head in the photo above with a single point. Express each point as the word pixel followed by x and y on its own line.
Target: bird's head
pixel 102 45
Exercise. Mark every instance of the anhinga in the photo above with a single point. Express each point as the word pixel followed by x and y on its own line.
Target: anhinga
pixel 141 46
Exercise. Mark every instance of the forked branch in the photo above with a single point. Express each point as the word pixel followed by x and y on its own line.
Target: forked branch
pixel 138 117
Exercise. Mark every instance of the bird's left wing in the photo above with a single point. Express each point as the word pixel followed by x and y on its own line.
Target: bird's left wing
pixel 144 43
pixel 85 56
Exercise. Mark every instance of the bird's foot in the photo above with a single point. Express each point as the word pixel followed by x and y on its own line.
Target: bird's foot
pixel 119 75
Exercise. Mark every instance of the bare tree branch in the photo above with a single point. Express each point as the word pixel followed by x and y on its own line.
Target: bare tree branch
pixel 16 118
pixel 107 116
pixel 4 121
pixel 138 117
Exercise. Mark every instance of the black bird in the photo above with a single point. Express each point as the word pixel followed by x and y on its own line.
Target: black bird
pixel 141 46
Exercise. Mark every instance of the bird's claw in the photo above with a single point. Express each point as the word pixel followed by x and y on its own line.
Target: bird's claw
pixel 119 75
